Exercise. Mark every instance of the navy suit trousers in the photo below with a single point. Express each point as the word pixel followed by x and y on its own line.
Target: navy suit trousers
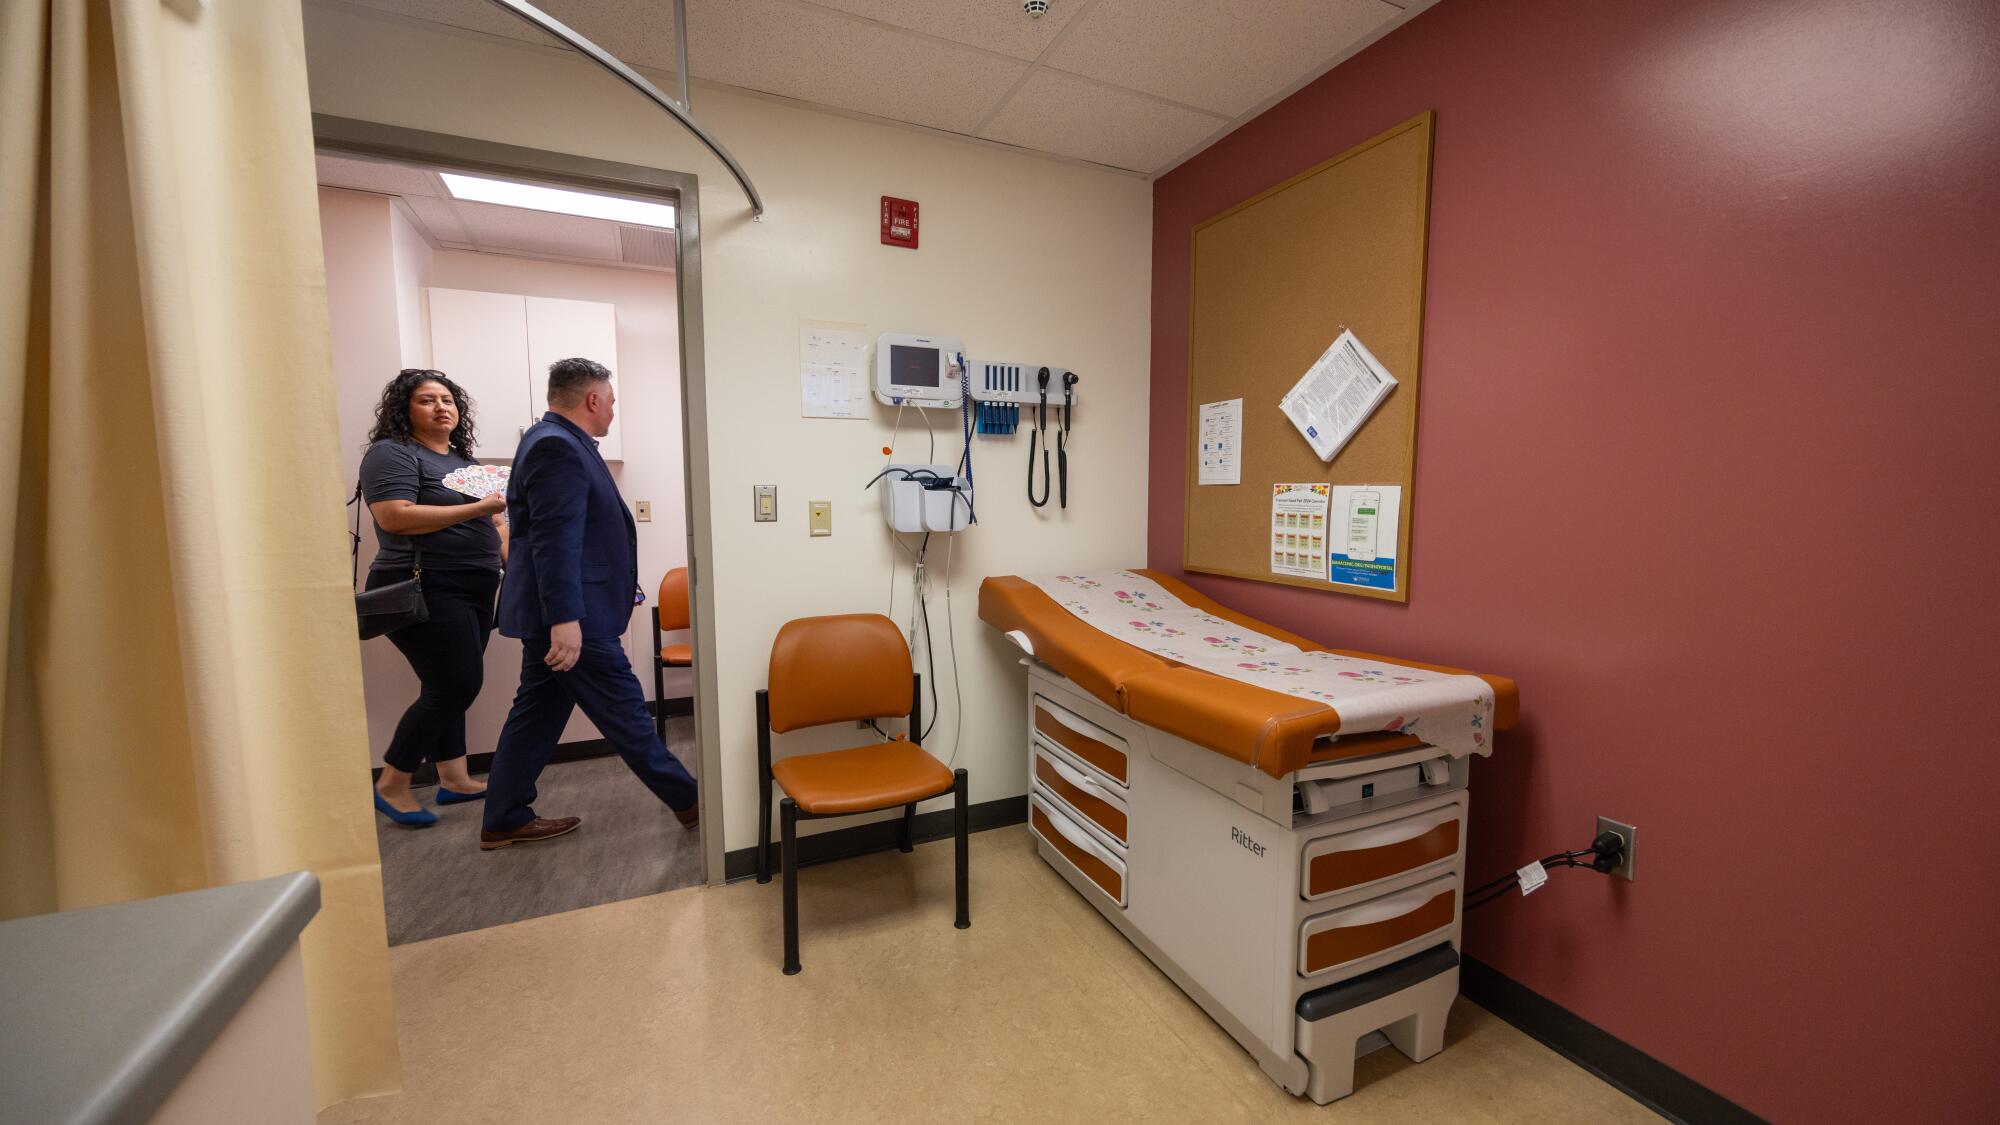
pixel 603 684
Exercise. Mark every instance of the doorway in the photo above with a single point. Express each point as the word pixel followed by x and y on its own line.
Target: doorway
pixel 417 274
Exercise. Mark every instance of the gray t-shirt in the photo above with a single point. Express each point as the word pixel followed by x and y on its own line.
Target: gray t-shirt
pixel 394 470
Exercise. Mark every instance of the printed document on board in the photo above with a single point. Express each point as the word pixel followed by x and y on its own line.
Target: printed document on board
pixel 833 370
pixel 1337 395
pixel 1221 443
pixel 1298 529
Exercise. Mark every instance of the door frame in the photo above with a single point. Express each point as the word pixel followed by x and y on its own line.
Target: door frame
pixel 416 146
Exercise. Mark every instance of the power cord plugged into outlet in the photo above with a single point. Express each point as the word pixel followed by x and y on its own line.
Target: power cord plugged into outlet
pixel 1605 853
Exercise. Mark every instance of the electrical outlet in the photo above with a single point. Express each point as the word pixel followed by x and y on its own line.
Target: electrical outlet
pixel 645 511
pixel 821 517
pixel 1631 837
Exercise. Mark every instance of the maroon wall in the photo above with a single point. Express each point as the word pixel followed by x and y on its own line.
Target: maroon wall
pixel 1706 460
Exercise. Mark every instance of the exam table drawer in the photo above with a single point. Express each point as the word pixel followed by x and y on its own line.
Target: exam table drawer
pixel 1097 747
pixel 1090 856
pixel 1333 864
pixel 1409 918
pixel 1080 792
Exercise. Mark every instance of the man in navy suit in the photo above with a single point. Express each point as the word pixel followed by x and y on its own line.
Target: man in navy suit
pixel 568 595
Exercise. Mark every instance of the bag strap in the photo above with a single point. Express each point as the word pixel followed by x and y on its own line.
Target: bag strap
pixel 354 547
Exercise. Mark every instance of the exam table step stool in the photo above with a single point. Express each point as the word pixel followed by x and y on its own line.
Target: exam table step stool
pixel 1407 1001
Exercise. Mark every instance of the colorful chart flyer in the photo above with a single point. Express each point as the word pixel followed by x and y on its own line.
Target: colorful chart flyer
pixel 1298 529
pixel 1366 520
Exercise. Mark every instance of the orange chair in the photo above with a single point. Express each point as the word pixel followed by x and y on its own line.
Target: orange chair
pixel 844 669
pixel 670 612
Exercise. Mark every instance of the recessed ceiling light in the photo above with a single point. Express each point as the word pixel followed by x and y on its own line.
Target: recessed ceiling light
pixel 562 201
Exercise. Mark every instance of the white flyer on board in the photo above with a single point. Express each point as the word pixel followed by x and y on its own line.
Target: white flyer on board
pixel 1367 529
pixel 1221 436
pixel 833 371
pixel 1337 395
pixel 1298 529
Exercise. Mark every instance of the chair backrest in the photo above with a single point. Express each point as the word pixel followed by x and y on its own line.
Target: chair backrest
pixel 843 668
pixel 673 601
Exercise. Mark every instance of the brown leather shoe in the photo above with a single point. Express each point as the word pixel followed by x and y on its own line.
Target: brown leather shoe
pixel 690 816
pixel 540 828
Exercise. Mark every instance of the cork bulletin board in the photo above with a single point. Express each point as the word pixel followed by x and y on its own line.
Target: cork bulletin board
pixel 1274 281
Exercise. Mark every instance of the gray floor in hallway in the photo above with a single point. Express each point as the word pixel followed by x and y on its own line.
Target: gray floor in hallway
pixel 436 881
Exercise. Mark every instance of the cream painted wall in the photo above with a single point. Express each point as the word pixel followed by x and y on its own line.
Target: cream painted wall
pixel 375 274
pixel 1022 257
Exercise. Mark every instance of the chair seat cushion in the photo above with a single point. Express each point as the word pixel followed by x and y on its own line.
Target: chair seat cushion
pixel 866 777
pixel 677 656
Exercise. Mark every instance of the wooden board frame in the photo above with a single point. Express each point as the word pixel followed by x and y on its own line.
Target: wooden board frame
pixel 1384 451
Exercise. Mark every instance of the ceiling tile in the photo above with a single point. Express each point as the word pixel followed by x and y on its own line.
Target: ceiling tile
pixel 1064 114
pixel 819 56
pixel 370 175
pixel 639 32
pixel 440 218
pixel 539 232
pixel 996 25
pixel 1224 58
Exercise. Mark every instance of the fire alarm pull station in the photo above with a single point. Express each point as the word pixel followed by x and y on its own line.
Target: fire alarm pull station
pixel 899 222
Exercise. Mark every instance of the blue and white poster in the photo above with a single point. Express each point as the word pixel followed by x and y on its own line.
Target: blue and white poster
pixel 1362 548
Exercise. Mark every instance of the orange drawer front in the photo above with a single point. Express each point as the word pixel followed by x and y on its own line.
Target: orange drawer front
pixel 1103 813
pixel 1109 877
pixel 1104 755
pixel 1358 858
pixel 1379 925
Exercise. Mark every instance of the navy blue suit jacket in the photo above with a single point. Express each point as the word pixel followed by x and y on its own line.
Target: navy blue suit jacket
pixel 574 550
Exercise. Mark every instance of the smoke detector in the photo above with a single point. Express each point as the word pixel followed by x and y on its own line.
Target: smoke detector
pixel 1035 8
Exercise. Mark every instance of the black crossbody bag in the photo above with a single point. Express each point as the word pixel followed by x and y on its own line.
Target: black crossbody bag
pixel 386 609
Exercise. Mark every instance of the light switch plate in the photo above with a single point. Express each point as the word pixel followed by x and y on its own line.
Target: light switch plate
pixel 645 511
pixel 766 506
pixel 822 517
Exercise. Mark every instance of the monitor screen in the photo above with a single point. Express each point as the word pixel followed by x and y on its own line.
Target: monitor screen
pixel 913 367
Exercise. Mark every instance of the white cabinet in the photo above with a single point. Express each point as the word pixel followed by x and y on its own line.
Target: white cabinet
pixel 498 346
pixel 559 329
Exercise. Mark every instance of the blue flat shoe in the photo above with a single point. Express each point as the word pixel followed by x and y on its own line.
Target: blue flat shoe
pixel 422 818
pixel 449 797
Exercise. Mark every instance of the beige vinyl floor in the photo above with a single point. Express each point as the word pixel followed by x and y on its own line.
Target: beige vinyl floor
pixel 672 1008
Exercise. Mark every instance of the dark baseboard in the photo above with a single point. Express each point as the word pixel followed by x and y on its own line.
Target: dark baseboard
pixel 1643 1078
pixel 567 752
pixel 878 836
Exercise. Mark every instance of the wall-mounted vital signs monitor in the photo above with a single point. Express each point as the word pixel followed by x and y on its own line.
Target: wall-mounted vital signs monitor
pixel 917 370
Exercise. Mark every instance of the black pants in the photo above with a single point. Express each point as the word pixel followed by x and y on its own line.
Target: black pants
pixel 448 653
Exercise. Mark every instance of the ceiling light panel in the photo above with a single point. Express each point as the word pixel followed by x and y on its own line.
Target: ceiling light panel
pixel 561 201
pixel 1223 58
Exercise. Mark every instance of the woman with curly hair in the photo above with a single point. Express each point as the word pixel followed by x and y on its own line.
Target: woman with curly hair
pixel 423 431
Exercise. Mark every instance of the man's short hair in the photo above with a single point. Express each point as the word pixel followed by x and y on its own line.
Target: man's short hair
pixel 571 379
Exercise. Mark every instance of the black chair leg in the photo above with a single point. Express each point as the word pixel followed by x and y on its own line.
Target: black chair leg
pixel 908 842
pixel 959 819
pixel 764 829
pixel 789 816
pixel 660 700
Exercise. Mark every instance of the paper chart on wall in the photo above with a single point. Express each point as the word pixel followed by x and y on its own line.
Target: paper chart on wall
pixel 1343 387
pixel 1221 443
pixel 1298 529
pixel 833 371
pixel 1367 521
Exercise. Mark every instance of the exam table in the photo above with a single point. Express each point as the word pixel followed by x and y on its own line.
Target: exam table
pixel 1278 825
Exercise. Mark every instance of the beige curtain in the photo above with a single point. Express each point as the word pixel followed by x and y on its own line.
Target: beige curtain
pixel 182 679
